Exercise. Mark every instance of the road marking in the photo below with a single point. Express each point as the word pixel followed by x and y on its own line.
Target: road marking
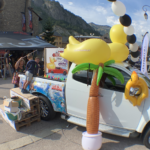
pixel 26 140
pixel 4 146
pixel 20 142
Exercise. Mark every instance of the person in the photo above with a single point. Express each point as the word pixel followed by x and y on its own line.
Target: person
pixel 40 66
pixel 19 68
pixel 31 71
pixel 37 60
pixel 6 64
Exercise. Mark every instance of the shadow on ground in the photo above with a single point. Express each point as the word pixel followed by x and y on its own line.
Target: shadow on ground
pixel 56 123
pixel 113 142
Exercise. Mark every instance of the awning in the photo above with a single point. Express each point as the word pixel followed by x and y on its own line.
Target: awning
pixel 22 41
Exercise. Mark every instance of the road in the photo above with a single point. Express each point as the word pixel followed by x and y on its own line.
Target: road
pixel 57 134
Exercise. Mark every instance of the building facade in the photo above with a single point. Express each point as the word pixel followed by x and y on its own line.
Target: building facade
pixel 11 16
pixel 105 38
pixel 58 39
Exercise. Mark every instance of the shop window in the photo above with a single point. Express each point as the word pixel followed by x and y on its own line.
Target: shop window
pixel 107 84
pixel 81 76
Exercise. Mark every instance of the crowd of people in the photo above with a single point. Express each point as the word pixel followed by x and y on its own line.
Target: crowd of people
pixel 31 69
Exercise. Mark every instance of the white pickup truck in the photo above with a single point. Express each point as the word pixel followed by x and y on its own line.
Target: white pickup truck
pixel 117 115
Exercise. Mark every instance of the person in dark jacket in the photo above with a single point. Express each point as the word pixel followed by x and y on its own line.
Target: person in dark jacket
pixel 31 71
pixel 6 64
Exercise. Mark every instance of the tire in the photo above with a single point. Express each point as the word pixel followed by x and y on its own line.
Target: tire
pixel 52 71
pixel 146 138
pixel 64 73
pixel 46 105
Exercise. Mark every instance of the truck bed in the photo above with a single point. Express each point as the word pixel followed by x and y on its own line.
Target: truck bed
pixel 52 89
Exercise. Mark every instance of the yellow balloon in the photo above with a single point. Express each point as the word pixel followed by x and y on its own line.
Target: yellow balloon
pixel 90 51
pixel 134 82
pixel 117 34
pixel 119 52
pixel 73 41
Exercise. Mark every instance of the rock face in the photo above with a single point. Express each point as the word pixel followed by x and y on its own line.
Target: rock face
pixel 102 29
pixel 62 17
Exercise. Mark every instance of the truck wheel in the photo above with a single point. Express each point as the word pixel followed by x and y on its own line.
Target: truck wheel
pixel 46 108
pixel 146 138
pixel 52 71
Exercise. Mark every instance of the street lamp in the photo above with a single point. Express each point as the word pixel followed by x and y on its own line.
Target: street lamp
pixel 144 9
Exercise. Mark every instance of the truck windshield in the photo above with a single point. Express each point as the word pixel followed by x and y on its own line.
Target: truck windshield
pixel 147 80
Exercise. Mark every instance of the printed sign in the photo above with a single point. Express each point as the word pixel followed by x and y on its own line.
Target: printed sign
pixel 144 54
pixel 56 66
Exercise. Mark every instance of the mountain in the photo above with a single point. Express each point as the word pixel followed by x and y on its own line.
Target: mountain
pixel 61 18
pixel 102 29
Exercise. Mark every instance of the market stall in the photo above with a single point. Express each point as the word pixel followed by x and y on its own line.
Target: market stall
pixel 19 44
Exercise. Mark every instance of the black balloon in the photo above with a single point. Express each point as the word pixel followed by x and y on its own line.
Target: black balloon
pixel 131 62
pixel 112 0
pixel 131 39
pixel 135 54
pixel 125 20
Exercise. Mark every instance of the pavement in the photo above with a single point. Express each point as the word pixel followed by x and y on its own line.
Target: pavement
pixel 56 134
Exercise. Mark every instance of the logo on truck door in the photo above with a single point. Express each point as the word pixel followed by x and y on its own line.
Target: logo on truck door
pixel 56 87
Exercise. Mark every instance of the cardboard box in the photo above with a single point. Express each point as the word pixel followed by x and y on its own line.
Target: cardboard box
pixel 11 109
pixel 17 99
pixel 27 99
pixel 10 103
pixel 3 114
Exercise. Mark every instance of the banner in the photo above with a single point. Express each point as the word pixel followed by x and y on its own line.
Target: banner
pixel 144 52
pixel 30 20
pixel 23 22
pixel 56 66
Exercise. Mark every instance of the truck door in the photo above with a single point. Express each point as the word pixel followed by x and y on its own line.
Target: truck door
pixel 77 92
pixel 115 110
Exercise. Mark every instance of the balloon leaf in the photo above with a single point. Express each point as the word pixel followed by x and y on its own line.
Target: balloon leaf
pixel 84 66
pixel 99 76
pixel 114 72
pixel 111 79
pixel 109 63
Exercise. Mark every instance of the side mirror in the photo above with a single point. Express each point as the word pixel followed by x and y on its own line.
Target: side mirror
pixel 135 91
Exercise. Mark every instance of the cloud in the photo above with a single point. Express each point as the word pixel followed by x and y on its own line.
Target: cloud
pixel 140 25
pixel 101 10
pixel 95 12
pixel 70 3
pixel 112 20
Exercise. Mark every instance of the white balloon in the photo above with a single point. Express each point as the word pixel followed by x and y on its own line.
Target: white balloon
pixel 129 30
pixel 133 47
pixel 135 59
pixel 118 8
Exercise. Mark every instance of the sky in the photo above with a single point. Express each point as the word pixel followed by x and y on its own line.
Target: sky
pixel 100 12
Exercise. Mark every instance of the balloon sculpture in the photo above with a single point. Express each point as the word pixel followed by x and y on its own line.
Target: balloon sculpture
pixel 126 31
pixel 96 54
pixel 92 54
pixel 136 82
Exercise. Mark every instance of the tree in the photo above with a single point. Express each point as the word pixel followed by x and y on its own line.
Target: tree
pixel 48 32
pixel 92 121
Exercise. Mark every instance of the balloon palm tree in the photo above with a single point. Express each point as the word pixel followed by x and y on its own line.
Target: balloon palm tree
pixel 92 122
